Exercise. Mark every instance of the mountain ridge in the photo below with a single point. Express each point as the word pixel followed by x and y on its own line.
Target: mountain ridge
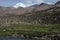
pixel 30 9
pixel 20 10
pixel 9 16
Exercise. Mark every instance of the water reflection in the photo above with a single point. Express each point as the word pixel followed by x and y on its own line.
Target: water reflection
pixel 13 38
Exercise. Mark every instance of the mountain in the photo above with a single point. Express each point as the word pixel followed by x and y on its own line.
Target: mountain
pixel 48 16
pixel 19 5
pixel 43 6
pixel 35 14
pixel 21 10
pixel 30 9
pixel 58 3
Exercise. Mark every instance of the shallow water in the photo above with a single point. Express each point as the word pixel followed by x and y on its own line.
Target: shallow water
pixel 13 38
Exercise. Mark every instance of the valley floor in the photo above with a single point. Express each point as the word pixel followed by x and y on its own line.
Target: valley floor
pixel 41 31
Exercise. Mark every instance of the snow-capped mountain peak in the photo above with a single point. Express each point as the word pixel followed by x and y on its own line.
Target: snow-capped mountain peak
pixel 19 5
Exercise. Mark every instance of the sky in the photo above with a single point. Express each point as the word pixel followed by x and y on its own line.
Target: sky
pixel 24 3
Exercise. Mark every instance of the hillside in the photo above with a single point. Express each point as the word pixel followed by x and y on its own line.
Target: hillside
pixel 35 22
pixel 49 16
pixel 34 15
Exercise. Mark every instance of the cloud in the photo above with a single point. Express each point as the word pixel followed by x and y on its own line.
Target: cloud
pixel 39 1
pixel 49 3
pixel 19 5
pixel 35 1
pixel 26 3
pixel 32 2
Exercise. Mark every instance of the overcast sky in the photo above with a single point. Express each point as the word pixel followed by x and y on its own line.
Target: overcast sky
pixel 24 2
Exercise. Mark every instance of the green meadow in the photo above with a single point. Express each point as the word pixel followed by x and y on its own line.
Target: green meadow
pixel 29 29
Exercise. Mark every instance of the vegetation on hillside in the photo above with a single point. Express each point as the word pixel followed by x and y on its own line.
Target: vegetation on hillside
pixel 49 16
pixel 37 23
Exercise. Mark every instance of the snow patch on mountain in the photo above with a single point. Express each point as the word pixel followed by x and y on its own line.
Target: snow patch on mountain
pixel 19 5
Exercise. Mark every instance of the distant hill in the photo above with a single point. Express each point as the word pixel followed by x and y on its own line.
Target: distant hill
pixel 57 4
pixel 21 10
pixel 30 9
pixel 33 15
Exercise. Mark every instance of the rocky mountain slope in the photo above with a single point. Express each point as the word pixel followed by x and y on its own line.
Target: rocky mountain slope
pixel 51 15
